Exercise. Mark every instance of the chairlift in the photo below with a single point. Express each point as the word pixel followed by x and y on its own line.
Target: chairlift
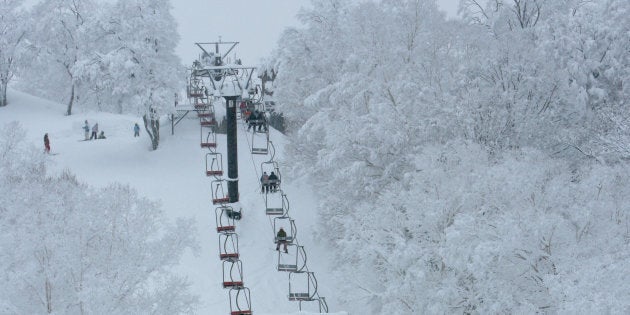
pixel 214 164
pixel 260 143
pixel 201 103
pixel 272 167
pixel 288 225
pixel 210 139
pixel 225 222
pixel 294 260
pixel 194 87
pixel 302 286
pixel 277 204
pixel 240 301
pixel 315 305
pixel 218 193
pixel 228 246
pixel 323 306
pixel 207 119
pixel 232 274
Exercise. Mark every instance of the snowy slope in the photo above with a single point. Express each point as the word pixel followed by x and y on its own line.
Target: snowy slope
pixel 174 174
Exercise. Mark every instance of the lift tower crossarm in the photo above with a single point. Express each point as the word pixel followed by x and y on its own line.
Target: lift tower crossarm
pixel 216 45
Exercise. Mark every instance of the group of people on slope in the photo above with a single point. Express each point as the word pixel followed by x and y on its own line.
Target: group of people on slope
pixel 90 136
pixel 269 182
pixel 95 134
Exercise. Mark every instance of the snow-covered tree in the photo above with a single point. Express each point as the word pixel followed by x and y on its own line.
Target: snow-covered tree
pixel 12 33
pixel 71 248
pixel 62 35
pixel 463 159
pixel 139 72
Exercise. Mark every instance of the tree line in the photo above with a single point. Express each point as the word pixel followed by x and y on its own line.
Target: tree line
pixel 474 164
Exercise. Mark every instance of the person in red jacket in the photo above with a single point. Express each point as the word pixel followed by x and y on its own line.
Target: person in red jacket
pixel 46 143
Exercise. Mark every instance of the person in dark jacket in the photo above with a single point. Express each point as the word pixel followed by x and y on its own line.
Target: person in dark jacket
pixel 273 182
pixel 46 143
pixel 281 238
pixel 253 120
pixel 136 130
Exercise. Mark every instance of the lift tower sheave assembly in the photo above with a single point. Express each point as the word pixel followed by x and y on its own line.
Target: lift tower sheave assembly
pixel 230 80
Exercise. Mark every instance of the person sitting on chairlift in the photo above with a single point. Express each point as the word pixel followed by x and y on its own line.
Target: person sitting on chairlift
pixel 273 182
pixel 261 122
pixel 282 239
pixel 264 180
pixel 253 120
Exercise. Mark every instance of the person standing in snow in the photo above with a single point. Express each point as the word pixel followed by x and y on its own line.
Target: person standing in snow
pixel 46 143
pixel 86 128
pixel 94 132
pixel 281 238
pixel 136 130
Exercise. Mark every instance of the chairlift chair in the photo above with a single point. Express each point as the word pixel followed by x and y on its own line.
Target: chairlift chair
pixel 284 222
pixel 240 301
pixel 194 89
pixel 214 164
pixel 294 260
pixel 207 119
pixel 218 193
pixel 315 305
pixel 208 140
pixel 228 246
pixel 232 274
pixel 277 204
pixel 200 104
pixel 225 222
pixel 260 143
pixel 302 286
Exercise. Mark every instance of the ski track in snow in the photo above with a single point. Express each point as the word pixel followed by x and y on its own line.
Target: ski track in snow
pixel 175 176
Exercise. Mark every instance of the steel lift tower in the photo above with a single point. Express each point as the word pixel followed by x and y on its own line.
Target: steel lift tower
pixel 228 79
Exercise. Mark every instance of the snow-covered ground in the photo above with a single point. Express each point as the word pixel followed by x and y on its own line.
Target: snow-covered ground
pixel 175 175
